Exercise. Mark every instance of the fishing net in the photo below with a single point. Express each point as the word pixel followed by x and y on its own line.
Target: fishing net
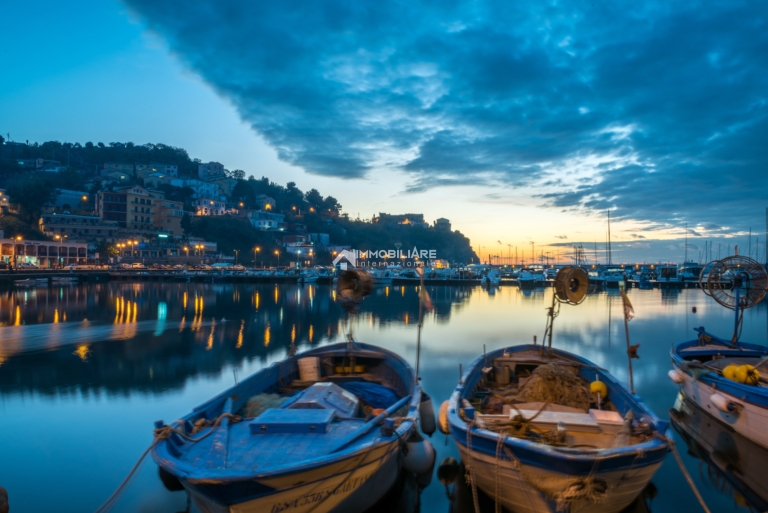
pixel 553 384
pixel 258 403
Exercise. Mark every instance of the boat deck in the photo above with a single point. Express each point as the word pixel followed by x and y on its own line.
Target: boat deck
pixel 269 452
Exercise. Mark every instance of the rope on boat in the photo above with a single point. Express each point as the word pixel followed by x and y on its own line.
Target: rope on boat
pixel 684 471
pixel 470 468
pixel 160 434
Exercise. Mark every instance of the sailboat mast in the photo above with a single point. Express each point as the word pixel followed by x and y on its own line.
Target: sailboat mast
pixel 610 256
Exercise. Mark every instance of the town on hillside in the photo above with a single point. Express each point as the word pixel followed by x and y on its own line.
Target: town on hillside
pixel 72 209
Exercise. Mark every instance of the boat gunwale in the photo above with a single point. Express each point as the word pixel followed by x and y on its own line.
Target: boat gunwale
pixel 185 470
pixel 750 394
pixel 578 461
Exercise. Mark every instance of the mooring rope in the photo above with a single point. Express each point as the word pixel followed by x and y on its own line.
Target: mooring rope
pixel 164 433
pixel 684 470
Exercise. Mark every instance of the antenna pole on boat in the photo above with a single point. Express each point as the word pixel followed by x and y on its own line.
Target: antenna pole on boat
pixel 626 333
pixel 421 321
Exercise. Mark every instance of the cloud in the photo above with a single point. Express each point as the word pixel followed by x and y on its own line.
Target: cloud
pixel 561 236
pixel 657 111
pixel 637 236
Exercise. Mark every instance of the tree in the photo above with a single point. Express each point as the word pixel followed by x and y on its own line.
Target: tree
pixel 2 140
pixel 243 192
pixel 186 223
pixel 237 174
pixel 31 195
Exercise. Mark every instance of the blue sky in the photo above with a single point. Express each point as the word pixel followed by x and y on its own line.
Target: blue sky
pixel 519 121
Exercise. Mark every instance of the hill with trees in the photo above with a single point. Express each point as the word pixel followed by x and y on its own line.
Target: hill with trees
pixel 306 212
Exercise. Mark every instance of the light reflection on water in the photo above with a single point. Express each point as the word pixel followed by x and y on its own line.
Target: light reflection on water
pixel 85 370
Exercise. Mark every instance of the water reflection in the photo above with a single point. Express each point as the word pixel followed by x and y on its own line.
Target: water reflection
pixel 185 329
pixel 86 369
pixel 729 463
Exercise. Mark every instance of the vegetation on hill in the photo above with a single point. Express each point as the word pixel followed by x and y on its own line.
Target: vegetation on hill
pixel 306 212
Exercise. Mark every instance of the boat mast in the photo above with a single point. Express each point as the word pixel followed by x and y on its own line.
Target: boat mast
pixel 610 259
pixel 685 258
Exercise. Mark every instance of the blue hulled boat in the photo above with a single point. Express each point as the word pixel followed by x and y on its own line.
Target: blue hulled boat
pixel 543 430
pixel 544 456
pixel 728 378
pixel 320 431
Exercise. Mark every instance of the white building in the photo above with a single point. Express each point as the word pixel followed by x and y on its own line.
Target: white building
pixel 203 190
pixel 264 220
pixel 209 207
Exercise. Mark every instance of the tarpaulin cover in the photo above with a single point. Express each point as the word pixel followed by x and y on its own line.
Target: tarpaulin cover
pixel 372 394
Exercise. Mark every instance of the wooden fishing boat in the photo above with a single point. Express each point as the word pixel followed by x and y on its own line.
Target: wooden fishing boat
pixel 728 378
pixel 701 368
pixel 539 456
pixel 541 429
pixel 288 439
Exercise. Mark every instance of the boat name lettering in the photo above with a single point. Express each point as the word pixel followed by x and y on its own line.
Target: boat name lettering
pixel 316 497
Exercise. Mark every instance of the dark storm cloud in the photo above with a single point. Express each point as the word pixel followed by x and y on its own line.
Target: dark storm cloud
pixel 668 101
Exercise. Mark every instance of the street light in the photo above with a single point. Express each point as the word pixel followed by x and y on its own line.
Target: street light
pixel 15 258
pixel 277 252
pixel 257 249
pixel 60 239
pixel 186 248
pixel 237 253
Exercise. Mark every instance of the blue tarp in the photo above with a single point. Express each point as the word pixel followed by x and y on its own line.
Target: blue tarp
pixel 372 394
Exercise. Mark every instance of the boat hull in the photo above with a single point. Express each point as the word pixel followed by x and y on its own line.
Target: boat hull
pixel 750 419
pixel 526 488
pixel 352 485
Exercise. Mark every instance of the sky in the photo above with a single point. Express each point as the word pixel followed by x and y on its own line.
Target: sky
pixel 522 122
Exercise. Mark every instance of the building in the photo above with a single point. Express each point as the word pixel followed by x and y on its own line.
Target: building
pixel 43 253
pixel 115 175
pixel 37 164
pixel 265 220
pixel 265 202
pixel 443 224
pixel 320 239
pixel 294 239
pixel 78 227
pixel 156 179
pixel 202 189
pixel 133 207
pixel 169 216
pixel 211 171
pixel 209 207
pixel 4 203
pixel 117 166
pixel 142 170
pixel 227 185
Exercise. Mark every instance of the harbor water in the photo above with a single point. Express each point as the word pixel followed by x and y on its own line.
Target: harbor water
pixel 85 370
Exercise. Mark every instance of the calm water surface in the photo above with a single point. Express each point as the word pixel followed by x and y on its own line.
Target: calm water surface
pixel 85 370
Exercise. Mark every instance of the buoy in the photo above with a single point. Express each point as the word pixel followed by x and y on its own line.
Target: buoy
pixel 420 455
pixel 730 372
pixel 4 507
pixel 427 414
pixel 171 482
pixel 442 417
pixel 693 309
pixel 598 387
pixel 676 376
pixel 425 478
pixel 748 375
pixel 448 471
pixel 722 403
